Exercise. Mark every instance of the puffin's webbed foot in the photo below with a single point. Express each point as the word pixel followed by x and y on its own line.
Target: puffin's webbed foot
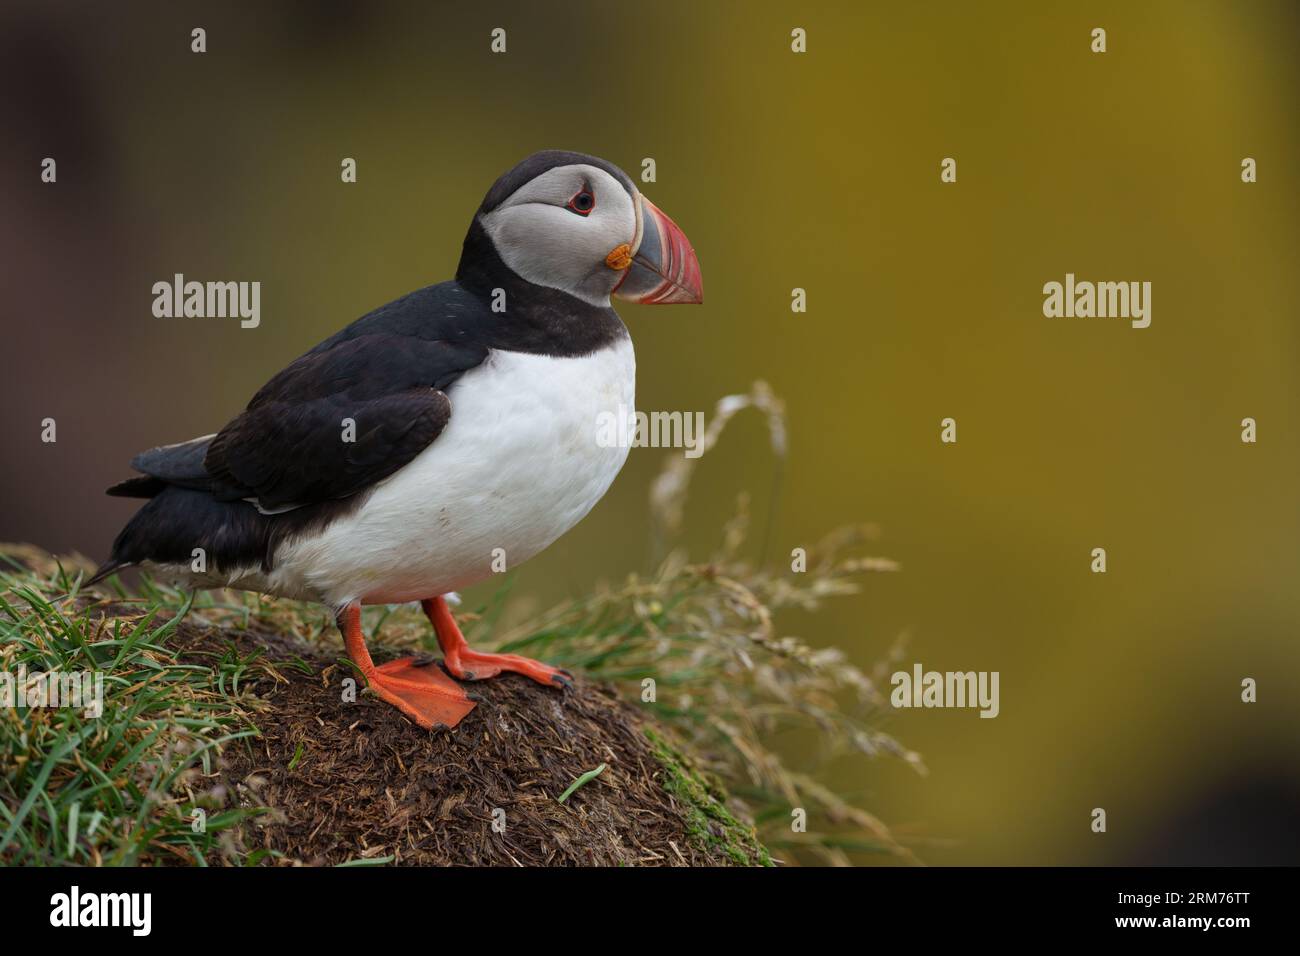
pixel 422 692
pixel 418 689
pixel 467 664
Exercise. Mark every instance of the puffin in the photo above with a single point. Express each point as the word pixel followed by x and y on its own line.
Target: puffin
pixel 458 427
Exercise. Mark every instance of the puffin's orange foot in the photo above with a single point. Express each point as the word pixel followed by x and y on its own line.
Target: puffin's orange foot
pixel 475 665
pixel 422 692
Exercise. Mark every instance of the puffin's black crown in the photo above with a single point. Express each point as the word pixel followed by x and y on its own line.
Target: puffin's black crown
pixel 538 163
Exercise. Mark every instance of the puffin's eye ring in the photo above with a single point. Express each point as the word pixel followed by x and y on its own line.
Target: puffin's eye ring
pixel 583 202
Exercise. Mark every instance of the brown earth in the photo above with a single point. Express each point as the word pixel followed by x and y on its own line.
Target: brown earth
pixel 358 781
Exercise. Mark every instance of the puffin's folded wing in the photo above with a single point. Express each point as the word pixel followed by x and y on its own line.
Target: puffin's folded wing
pixel 337 421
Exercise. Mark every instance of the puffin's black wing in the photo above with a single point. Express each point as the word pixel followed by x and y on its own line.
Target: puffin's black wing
pixel 347 414
pixel 338 420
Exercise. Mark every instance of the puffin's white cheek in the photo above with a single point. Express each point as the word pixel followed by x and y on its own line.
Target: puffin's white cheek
pixel 550 246
pixel 532 243
pixel 611 228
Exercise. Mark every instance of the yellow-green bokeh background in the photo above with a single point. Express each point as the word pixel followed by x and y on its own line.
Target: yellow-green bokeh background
pixel 820 171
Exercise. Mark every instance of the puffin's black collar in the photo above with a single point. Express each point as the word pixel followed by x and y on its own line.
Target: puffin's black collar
pixel 537 318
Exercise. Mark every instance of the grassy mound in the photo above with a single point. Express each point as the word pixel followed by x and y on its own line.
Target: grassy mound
pixel 343 782
pixel 221 743
pixel 226 739
pixel 225 736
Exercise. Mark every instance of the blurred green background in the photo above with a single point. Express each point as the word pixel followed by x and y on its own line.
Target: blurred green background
pixel 924 301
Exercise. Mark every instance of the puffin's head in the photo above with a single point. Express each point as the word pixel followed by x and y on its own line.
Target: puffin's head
pixel 577 223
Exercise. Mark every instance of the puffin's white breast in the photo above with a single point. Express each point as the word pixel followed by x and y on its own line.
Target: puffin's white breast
pixel 520 462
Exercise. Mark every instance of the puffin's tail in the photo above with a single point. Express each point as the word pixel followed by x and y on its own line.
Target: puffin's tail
pixel 103 571
pixel 110 566
pixel 140 486
pixel 181 465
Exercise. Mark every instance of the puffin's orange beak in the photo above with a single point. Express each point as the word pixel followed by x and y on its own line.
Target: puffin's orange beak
pixel 662 268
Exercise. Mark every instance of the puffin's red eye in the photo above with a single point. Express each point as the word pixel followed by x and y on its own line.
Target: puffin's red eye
pixel 583 203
